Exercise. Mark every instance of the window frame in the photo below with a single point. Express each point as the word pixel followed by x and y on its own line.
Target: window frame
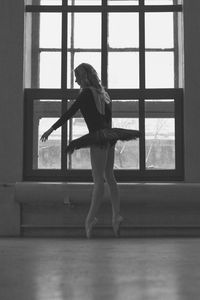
pixel 141 94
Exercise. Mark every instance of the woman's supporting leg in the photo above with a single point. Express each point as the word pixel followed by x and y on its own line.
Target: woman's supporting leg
pixel 115 198
pixel 98 161
pixel 111 181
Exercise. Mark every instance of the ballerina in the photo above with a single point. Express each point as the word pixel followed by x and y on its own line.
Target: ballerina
pixel 95 106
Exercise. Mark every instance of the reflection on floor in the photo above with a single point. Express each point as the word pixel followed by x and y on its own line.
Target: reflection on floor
pixel 96 269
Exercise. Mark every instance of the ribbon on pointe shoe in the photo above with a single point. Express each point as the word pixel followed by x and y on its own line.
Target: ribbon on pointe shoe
pixel 116 225
pixel 88 228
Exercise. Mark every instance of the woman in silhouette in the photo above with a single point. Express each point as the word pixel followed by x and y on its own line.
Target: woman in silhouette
pixel 95 106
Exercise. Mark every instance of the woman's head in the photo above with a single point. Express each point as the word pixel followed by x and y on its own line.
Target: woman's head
pixel 87 76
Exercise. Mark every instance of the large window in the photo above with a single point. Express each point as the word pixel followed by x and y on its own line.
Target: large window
pixel 136 48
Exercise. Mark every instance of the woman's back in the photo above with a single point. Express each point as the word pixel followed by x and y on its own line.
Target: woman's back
pixel 96 112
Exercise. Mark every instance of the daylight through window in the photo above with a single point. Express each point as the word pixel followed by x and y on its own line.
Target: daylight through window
pixel 136 48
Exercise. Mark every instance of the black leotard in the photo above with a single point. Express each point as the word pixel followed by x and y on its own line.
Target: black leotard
pixel 93 118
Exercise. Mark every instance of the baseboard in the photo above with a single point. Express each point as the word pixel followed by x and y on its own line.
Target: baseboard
pixel 106 231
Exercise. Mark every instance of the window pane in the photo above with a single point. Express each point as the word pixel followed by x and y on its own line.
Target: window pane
pixel 160 2
pixel 93 58
pixel 123 70
pixel 84 30
pixel 50 30
pixel 84 2
pixel 125 114
pixel 179 51
pixel 159 108
pixel 46 155
pixel 51 2
pixel 80 158
pixel 159 69
pixel 44 2
pixel 42 68
pixel 50 70
pixel 123 30
pixel 160 134
pixel 159 30
pixel 122 2
pixel 126 109
pixel 126 153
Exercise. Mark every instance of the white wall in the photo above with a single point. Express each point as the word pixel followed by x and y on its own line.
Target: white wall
pixel 192 90
pixel 11 109
pixel 11 90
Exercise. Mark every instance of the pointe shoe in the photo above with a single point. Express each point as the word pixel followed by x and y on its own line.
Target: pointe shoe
pixel 88 228
pixel 116 225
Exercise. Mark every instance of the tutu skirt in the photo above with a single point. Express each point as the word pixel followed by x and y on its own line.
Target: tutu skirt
pixel 102 138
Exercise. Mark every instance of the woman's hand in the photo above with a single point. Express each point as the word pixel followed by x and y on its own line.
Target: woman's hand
pixel 45 135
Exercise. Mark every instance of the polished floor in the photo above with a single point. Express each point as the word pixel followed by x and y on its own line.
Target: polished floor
pixel 100 269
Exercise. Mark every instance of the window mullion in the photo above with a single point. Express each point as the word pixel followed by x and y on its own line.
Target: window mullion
pixel 175 27
pixel 72 54
pixel 142 45
pixel 64 49
pixel 179 139
pixel 142 82
pixel 63 86
pixel 104 45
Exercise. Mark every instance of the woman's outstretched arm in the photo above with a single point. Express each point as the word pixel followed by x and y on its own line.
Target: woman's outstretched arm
pixel 63 119
pixel 67 115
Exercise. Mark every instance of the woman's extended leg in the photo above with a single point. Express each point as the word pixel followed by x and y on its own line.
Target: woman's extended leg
pixel 111 181
pixel 98 161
